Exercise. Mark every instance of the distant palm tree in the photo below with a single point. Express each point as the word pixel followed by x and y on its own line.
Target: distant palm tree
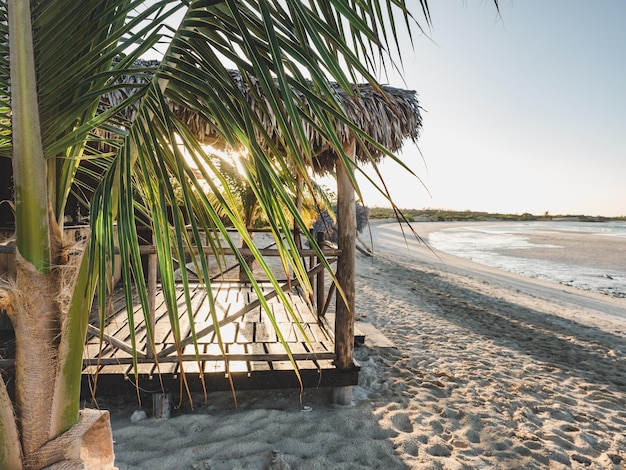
pixel 309 200
pixel 64 58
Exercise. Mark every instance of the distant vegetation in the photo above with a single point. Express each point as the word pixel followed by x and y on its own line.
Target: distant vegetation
pixel 437 215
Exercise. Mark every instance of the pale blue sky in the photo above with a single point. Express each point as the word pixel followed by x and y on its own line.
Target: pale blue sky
pixel 523 113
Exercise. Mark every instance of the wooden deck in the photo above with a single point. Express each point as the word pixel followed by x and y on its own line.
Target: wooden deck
pixel 254 357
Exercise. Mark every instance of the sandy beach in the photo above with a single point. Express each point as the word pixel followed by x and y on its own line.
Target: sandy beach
pixel 489 370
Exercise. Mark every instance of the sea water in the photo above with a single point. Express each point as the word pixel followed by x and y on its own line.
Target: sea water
pixel 513 247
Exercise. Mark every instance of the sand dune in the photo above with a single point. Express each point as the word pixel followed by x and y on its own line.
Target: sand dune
pixel 489 370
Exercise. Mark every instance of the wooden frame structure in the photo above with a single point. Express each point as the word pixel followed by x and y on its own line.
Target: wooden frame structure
pixel 252 357
pixel 254 360
pixel 390 116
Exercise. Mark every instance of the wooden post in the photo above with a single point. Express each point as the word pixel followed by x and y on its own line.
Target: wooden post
pixel 296 228
pixel 319 282
pixel 312 258
pixel 344 310
pixel 161 405
pixel 152 288
pixel 297 238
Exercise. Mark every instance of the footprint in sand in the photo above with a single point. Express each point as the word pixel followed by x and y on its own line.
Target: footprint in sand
pixel 437 426
pixel 439 449
pixel 402 423
pixel 472 436
pixel 569 428
pixel 581 459
pixel 411 447
pixel 453 414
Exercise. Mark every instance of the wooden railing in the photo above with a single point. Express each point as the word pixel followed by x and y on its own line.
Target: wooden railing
pixel 315 271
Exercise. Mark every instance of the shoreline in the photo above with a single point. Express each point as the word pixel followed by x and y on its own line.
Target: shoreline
pixel 489 370
pixel 389 238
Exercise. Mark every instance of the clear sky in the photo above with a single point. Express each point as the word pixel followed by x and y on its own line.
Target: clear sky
pixel 525 112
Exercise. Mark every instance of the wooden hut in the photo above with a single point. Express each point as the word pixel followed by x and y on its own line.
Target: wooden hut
pixel 390 116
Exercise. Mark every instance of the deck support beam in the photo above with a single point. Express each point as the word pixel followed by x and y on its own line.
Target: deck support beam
pixel 345 301
pixel 152 292
pixel 319 282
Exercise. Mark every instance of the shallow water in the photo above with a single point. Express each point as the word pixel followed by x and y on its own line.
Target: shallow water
pixel 585 255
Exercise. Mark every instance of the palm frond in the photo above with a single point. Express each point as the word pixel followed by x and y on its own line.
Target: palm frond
pixel 280 105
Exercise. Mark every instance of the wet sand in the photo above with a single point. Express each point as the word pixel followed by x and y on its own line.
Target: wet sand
pixel 585 249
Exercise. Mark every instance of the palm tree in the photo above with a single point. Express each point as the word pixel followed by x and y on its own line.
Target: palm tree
pixel 64 58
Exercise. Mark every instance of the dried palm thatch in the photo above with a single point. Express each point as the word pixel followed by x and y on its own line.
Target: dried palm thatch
pixel 388 117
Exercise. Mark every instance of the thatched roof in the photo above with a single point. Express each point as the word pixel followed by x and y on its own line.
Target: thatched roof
pixel 389 118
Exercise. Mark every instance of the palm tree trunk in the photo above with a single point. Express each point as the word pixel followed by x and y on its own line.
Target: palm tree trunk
pixel 66 400
pixel 10 447
pixel 29 166
pixel 35 312
pixel 35 320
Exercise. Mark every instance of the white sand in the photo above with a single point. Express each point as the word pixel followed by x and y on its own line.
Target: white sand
pixel 490 371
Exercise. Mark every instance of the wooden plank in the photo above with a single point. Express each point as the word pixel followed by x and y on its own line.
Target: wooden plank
pixel 118 326
pixel 262 362
pixel 229 332
pixel 93 350
pixel 163 330
pixel 299 348
pixel 111 340
pixel 200 312
pixel 326 365
pixel 238 297
pixel 264 333
pixel 117 306
pixel 275 348
pixel 237 366
pixel 232 317
pixel 248 296
pixel 142 369
pixel 261 380
pixel 193 366
pixel 245 333
pixel 279 311
pixel 302 335
pixel 163 369
pixel 318 333
pixel 373 336
pixel 301 309
pixel 287 330
pixel 229 253
pixel 113 370
pixel 281 355
pixel 213 366
pixel 258 349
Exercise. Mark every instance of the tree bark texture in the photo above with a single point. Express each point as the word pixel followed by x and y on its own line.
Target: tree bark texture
pixel 36 319
pixel 346 227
